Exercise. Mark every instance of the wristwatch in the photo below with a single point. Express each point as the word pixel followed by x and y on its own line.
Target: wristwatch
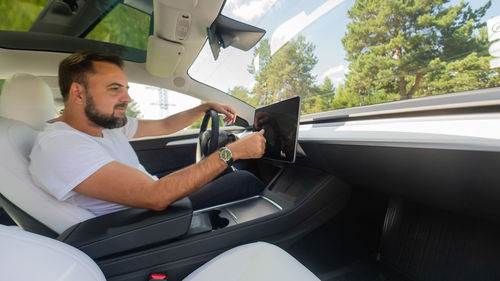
pixel 226 155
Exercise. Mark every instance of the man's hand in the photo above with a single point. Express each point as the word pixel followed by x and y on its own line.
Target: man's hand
pixel 223 109
pixel 250 147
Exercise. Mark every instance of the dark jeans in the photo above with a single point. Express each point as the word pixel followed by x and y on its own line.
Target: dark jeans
pixel 230 186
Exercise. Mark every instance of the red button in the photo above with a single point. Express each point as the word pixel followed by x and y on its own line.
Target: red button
pixel 157 276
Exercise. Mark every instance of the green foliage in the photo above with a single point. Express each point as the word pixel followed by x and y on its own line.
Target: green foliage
pixel 470 73
pixel 395 46
pixel 320 99
pixel 285 74
pixel 125 26
pixel 2 81
pixel 18 15
pixel 243 94
pixel 133 110
pixel 197 123
pixel 345 99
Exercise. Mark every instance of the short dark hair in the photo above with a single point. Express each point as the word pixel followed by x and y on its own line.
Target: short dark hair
pixel 77 66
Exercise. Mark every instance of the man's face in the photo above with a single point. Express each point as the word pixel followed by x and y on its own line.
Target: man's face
pixel 107 96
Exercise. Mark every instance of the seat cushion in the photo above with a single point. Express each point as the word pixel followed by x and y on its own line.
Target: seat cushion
pixel 256 261
pixel 27 256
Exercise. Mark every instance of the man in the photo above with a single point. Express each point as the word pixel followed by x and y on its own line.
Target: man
pixel 84 157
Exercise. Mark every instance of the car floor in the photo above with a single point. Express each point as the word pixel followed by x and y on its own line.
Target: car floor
pixel 391 239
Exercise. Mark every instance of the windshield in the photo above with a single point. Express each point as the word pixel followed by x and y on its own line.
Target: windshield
pixel 337 54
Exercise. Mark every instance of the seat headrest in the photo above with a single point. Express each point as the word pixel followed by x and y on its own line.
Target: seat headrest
pixel 27 98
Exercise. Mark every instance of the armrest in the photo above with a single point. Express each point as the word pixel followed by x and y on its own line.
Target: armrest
pixel 129 229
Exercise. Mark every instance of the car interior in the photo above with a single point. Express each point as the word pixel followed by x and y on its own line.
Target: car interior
pixel 382 192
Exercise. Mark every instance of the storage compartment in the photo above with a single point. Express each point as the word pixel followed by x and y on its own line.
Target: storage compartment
pixel 237 212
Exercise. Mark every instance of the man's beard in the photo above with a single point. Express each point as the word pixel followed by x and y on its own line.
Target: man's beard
pixel 102 120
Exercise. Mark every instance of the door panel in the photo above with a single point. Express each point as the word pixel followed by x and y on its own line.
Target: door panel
pixel 164 155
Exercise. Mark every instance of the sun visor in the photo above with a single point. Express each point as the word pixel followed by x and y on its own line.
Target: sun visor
pixel 225 32
pixel 163 56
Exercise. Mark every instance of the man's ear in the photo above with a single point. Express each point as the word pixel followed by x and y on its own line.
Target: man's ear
pixel 77 93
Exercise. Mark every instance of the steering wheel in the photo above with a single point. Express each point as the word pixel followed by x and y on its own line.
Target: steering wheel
pixel 208 140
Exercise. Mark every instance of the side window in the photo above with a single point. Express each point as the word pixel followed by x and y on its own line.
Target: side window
pixel 156 103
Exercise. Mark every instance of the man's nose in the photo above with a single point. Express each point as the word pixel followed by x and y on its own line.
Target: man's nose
pixel 126 97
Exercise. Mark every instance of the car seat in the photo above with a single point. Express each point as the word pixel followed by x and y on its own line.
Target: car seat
pixel 26 103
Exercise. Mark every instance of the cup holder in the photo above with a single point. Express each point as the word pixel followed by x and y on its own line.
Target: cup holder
pixel 217 221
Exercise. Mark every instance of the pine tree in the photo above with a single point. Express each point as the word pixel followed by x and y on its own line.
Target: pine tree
pixel 393 44
pixel 285 74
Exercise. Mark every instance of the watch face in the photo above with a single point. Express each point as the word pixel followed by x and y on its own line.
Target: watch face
pixel 225 154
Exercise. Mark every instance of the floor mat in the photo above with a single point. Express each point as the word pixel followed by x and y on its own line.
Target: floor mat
pixel 428 244
pixel 367 270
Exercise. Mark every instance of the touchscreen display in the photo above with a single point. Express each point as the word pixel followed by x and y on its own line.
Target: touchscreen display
pixel 280 122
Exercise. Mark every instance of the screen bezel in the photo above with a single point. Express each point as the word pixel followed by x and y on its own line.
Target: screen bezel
pixel 298 98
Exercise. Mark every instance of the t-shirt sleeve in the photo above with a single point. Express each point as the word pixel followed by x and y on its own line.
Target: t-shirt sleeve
pixel 130 128
pixel 59 163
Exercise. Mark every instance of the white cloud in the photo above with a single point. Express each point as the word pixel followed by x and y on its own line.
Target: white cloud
pixel 296 24
pixel 336 74
pixel 249 10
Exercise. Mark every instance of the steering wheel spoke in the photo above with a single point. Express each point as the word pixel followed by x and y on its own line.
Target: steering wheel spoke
pixel 208 140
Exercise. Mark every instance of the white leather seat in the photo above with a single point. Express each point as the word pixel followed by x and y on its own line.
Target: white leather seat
pixel 26 103
pixel 256 261
pixel 28 256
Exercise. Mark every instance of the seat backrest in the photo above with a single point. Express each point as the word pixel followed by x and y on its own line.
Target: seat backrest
pixel 28 99
pixel 27 256
pixel 24 94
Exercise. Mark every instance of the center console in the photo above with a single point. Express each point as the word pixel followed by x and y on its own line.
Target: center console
pixel 179 239
pixel 230 214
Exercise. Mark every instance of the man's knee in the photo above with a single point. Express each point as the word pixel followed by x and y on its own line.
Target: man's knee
pixel 244 175
pixel 245 179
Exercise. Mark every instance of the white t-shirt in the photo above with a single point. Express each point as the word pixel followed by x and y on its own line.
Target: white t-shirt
pixel 63 157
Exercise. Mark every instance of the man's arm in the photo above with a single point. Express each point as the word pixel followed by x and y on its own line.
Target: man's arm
pixel 119 183
pixel 181 120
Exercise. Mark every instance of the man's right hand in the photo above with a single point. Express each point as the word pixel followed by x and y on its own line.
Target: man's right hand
pixel 249 147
